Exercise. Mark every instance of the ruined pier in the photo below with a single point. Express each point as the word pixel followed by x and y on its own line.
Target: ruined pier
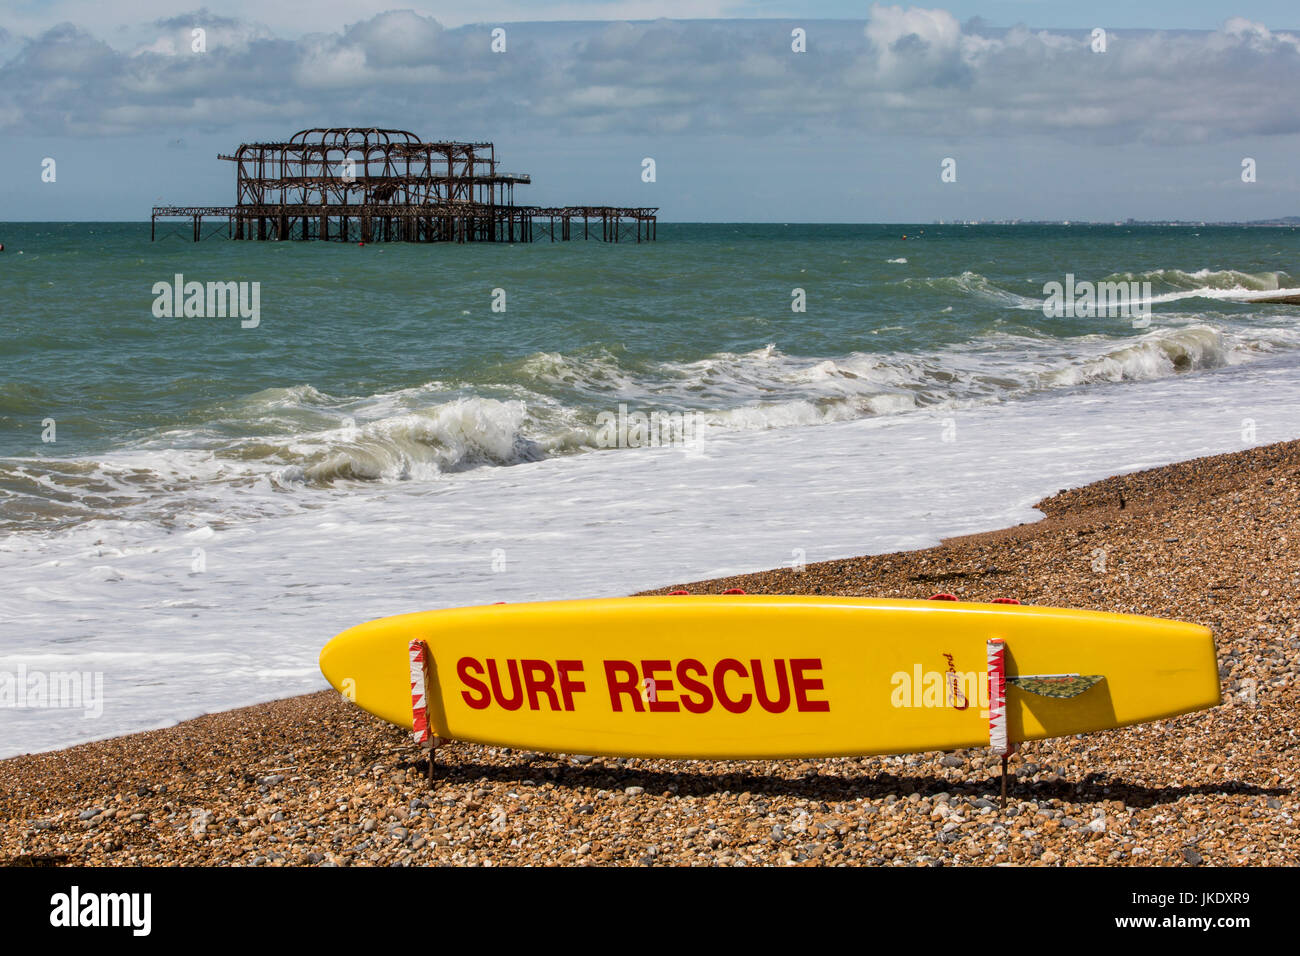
pixel 380 185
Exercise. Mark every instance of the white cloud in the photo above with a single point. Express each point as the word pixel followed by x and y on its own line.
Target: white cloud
pixel 910 70
pixel 293 18
pixel 912 33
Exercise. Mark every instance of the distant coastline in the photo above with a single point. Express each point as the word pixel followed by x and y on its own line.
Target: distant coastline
pixel 1285 222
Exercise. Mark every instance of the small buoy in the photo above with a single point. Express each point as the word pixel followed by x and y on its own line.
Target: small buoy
pixel 943 597
pixel 679 592
pixel 734 591
pixel 1006 601
pixel 360 243
pixel 2 247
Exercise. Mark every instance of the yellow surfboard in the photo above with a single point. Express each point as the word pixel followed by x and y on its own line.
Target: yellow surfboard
pixel 769 675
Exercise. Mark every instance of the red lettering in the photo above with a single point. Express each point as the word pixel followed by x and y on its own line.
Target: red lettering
pixel 658 685
pixel 569 686
pixel 514 702
pixel 804 684
pixel 462 668
pixel 534 683
pixel 511 683
pixel 782 701
pixel 720 685
pixel 622 685
pixel 690 685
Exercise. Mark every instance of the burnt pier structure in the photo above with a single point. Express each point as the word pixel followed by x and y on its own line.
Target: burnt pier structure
pixel 386 185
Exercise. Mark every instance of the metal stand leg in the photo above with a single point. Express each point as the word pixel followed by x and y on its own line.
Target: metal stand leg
pixel 433 747
pixel 999 738
pixel 421 731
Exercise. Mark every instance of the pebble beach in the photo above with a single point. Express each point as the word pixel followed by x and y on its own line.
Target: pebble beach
pixel 313 780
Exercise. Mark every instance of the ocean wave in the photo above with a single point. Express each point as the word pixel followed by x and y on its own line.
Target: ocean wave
pixel 418 445
pixel 1205 279
pixel 1167 286
pixel 298 438
pixel 1221 285
pixel 1155 355
pixel 977 285
pixel 597 370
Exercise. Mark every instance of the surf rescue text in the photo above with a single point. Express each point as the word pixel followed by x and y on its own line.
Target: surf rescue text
pixel 653 686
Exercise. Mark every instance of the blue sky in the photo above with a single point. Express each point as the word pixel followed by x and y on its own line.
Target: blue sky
pixel 1153 14
pixel 740 126
pixel 28 16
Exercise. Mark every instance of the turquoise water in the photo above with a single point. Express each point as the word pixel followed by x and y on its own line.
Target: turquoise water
pixel 388 362
pixel 218 501
pixel 80 343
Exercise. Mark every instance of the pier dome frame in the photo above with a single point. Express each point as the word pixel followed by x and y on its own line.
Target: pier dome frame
pixel 372 184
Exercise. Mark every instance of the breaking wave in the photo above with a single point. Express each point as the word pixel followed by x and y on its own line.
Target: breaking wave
pixel 298 439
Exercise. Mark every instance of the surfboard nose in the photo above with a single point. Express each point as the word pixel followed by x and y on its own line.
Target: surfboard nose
pixel 330 659
pixel 370 669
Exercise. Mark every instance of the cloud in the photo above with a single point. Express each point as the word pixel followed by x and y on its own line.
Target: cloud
pixel 401 38
pixel 67 52
pixel 916 47
pixel 179 35
pixel 906 71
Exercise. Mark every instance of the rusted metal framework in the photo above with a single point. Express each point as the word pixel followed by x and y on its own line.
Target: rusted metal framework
pixel 386 185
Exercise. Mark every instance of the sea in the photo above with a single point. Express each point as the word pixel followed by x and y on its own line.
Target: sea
pixel 194 500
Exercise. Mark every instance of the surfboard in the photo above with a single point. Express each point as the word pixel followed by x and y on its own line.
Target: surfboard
pixel 769 676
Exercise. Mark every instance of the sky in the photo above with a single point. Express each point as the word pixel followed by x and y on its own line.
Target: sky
pixel 1013 96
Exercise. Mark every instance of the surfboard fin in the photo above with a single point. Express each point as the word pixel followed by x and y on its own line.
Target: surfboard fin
pixel 1056 685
